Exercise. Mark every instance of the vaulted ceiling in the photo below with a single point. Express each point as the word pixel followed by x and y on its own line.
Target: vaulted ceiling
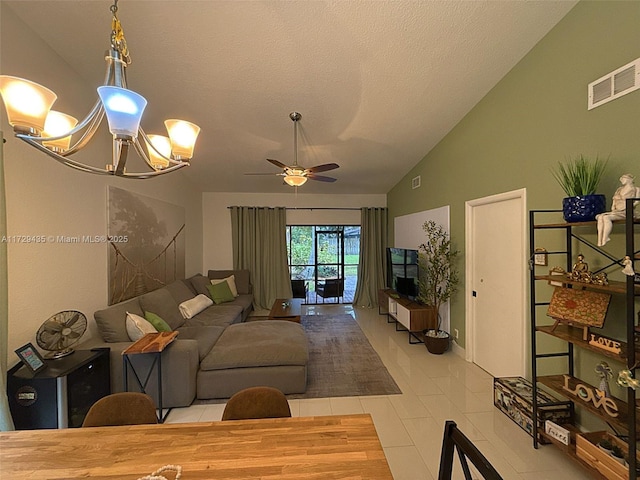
pixel 378 83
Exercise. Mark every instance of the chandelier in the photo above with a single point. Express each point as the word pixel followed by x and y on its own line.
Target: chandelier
pixel 28 107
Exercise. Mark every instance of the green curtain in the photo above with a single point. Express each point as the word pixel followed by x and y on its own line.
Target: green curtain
pixel 372 268
pixel 259 236
pixel 6 422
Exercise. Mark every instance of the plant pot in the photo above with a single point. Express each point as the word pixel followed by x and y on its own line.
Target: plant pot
pixel 583 208
pixel 436 345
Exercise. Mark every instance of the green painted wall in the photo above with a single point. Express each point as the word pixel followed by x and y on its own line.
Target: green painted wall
pixel 534 117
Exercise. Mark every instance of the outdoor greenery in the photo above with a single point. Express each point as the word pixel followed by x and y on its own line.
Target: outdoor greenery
pixel 438 273
pixel 302 254
pixel 580 176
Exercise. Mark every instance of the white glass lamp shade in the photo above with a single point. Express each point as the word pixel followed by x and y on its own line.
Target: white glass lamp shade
pixel 183 137
pixel 27 103
pixel 124 110
pixel 162 144
pixel 295 180
pixel 58 124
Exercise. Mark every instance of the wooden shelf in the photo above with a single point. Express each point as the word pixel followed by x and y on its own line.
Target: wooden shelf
pixel 592 223
pixel 613 287
pixel 574 335
pixel 556 382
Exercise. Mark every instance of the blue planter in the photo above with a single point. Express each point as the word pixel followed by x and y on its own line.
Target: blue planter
pixel 584 208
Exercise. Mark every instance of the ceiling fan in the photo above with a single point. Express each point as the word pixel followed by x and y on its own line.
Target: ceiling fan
pixel 297 175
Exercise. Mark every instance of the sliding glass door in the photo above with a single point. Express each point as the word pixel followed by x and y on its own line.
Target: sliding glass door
pixel 325 258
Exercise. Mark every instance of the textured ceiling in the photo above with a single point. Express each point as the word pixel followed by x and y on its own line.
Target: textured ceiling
pixel 379 83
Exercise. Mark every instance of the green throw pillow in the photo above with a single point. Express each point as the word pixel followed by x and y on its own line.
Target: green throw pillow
pixel 157 322
pixel 220 292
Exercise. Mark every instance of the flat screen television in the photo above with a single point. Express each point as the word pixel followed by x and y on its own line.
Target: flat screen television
pixel 403 271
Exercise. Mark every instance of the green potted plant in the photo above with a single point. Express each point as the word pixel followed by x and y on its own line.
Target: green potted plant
pixel 438 280
pixel 617 454
pixel 606 445
pixel 579 178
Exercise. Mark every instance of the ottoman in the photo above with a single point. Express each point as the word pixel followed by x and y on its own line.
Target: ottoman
pixel 262 353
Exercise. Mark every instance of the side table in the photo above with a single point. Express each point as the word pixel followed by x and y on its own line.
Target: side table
pixel 151 344
pixel 60 395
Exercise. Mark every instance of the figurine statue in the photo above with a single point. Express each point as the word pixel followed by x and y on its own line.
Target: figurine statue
pixel 580 271
pixel 605 373
pixel 628 266
pixel 618 204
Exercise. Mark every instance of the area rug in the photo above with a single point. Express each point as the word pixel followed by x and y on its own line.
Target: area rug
pixel 342 362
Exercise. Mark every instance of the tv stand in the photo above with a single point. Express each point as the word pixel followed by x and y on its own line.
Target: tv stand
pixel 407 314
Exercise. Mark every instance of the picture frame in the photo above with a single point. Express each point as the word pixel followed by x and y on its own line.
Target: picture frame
pixel 540 257
pixel 31 358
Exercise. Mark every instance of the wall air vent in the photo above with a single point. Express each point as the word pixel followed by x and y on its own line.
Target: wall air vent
pixel 613 85
pixel 415 182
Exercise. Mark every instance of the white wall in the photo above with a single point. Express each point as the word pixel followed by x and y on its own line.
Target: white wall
pixel 218 251
pixel 47 198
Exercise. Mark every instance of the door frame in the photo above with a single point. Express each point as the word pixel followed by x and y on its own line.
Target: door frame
pixel 470 253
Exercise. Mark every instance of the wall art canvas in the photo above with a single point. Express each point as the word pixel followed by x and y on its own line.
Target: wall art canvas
pixel 146 239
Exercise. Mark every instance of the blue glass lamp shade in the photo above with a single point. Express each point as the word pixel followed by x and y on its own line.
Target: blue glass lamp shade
pixel 124 110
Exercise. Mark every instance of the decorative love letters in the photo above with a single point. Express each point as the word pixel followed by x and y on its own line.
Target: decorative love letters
pixel 604 343
pixel 593 395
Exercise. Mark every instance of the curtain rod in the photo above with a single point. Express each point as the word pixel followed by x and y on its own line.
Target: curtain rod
pixel 317 208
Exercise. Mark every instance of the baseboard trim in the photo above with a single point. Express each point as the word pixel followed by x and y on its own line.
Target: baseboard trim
pixel 458 350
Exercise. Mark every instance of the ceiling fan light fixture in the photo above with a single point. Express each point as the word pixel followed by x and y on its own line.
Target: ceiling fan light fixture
pixel 295 180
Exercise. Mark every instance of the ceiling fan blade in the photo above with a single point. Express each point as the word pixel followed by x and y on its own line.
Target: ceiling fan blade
pixel 323 168
pixel 320 178
pixel 270 174
pixel 277 163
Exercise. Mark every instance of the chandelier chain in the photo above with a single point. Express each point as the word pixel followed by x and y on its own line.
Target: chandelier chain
pixel 118 42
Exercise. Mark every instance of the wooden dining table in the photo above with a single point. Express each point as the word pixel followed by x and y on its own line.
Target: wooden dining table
pixel 321 447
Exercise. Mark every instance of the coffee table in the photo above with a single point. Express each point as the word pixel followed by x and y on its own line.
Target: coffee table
pixel 286 309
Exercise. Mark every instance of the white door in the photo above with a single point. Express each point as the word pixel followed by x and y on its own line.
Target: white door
pixel 496 283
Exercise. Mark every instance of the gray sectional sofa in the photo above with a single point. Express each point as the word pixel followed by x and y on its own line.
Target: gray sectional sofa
pixel 216 353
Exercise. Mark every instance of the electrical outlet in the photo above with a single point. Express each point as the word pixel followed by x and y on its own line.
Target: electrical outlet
pixel 455 333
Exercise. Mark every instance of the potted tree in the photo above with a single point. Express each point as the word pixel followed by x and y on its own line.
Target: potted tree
pixel 438 280
pixel 579 178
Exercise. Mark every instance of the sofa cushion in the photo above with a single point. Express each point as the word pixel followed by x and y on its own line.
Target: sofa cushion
pixel 200 284
pixel 138 327
pixel 221 293
pixel 157 321
pixel 162 303
pixel 217 315
pixel 244 301
pixel 258 344
pixel 111 321
pixel 242 278
pixel 180 291
pixel 231 280
pixel 205 336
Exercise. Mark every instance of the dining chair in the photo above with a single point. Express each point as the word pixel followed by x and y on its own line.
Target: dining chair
pixel 124 408
pixel 257 402
pixel 454 439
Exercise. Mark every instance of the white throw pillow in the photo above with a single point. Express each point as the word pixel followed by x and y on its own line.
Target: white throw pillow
pixel 231 280
pixel 138 327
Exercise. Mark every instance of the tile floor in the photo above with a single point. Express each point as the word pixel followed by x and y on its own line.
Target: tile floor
pixel 435 388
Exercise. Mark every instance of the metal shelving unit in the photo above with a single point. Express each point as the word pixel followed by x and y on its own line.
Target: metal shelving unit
pixel 627 419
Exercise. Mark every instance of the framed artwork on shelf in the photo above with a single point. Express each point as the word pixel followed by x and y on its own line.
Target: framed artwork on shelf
pixel 540 257
pixel 31 358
